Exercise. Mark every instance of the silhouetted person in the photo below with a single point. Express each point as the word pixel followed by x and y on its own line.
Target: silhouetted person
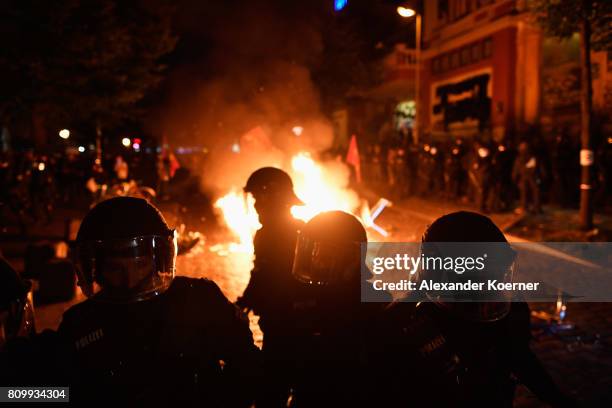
pixel 453 170
pixel 271 287
pixel 482 168
pixel 525 175
pixel 331 321
pixel 465 354
pixel 144 337
pixel 26 359
pixel 502 186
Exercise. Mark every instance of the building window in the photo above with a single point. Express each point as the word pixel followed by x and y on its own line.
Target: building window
pixel 459 9
pixel 442 9
pixel 465 56
pixel 455 59
pixel 595 71
pixel 482 3
pixel 436 65
pixel 444 64
pixel 487 48
pixel 476 52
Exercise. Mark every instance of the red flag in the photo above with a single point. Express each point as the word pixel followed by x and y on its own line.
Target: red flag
pixel 352 157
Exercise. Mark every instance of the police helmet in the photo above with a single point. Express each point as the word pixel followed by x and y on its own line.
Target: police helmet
pixel 272 183
pixel 126 251
pixel 450 235
pixel 328 249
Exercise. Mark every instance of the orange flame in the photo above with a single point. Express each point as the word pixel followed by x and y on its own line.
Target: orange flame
pixel 241 218
pixel 322 187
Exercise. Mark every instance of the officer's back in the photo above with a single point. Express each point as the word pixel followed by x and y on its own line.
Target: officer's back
pixel 331 321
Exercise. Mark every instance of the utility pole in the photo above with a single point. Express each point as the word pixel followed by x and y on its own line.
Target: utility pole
pixel 586 93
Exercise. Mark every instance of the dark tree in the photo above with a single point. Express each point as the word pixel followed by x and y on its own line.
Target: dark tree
pixel 354 42
pixel 593 20
pixel 81 60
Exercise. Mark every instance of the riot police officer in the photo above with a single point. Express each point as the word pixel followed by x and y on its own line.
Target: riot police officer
pixel 271 287
pixel 332 321
pixel 16 312
pixel 482 174
pixel 424 171
pixel 453 170
pixel 26 358
pixel 526 175
pixel 503 187
pixel 144 336
pixel 462 353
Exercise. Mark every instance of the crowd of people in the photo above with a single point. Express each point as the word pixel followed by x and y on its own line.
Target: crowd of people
pixel 33 185
pixel 492 176
pixel 145 336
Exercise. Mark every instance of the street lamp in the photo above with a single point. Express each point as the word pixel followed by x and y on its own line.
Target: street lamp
pixel 407 12
pixel 126 142
pixel 64 134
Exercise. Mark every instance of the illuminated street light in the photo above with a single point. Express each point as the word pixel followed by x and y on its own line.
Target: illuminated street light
pixel 126 142
pixel 81 149
pixel 405 12
pixel 64 133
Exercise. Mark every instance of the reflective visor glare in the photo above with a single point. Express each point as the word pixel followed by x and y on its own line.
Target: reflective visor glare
pixel 162 249
pixel 302 259
pixel 321 262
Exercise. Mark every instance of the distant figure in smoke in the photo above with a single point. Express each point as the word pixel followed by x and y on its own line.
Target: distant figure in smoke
pixel 467 353
pixel 270 290
pixel 453 170
pixel 144 337
pixel 526 176
pixel 483 175
pixel 330 319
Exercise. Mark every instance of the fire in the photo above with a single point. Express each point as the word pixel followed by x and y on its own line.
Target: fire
pixel 241 218
pixel 322 187
pixel 319 188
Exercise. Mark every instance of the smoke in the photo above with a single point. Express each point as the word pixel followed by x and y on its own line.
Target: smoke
pixel 242 100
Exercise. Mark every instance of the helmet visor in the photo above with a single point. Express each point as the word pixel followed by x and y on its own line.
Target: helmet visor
pixel 127 270
pixel 324 263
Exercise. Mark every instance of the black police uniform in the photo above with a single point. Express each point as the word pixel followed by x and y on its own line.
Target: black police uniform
pixel 188 345
pixel 525 174
pixel 331 361
pixel 430 358
pixel 269 289
pixel 269 294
